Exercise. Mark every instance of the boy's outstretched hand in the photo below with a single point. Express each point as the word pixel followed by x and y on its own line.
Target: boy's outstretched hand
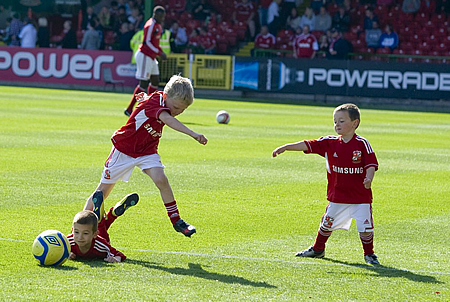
pixel 200 138
pixel 112 259
pixel 277 151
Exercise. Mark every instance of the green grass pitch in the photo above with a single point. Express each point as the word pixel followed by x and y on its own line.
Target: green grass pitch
pixel 252 212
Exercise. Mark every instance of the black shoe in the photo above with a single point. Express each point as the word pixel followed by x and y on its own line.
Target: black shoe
pixel 127 113
pixel 185 228
pixel 310 252
pixel 97 200
pixel 128 201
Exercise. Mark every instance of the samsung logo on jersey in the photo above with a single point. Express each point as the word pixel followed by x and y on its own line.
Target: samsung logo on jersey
pixel 345 170
pixel 379 79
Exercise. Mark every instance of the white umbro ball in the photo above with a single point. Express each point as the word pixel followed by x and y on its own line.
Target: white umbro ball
pixel 223 117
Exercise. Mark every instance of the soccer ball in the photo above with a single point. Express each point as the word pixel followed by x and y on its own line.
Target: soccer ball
pixel 223 117
pixel 51 248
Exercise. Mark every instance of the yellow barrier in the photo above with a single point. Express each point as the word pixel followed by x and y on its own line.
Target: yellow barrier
pixel 211 72
pixel 175 64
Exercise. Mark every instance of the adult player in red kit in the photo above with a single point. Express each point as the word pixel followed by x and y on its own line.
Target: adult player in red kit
pixel 146 64
pixel 136 144
pixel 351 165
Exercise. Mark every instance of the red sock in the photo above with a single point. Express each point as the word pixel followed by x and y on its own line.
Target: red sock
pixel 133 99
pixel 172 211
pixel 151 89
pixel 367 242
pixel 321 239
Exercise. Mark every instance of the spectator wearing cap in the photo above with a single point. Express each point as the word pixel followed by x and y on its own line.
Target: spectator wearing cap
pixel 339 47
pixel 28 34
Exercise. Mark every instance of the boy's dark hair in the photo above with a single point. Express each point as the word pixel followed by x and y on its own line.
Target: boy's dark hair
pixel 352 109
pixel 87 218
pixel 159 10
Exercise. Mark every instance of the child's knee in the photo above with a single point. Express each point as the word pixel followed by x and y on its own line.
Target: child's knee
pixel 161 181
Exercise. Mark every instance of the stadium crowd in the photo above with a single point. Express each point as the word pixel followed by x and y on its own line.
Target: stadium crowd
pixel 292 28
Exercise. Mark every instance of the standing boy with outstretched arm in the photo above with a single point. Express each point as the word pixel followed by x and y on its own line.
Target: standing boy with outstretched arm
pixel 351 165
pixel 136 144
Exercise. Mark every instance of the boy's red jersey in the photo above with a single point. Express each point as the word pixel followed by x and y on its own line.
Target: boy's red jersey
pixel 140 135
pixel 100 249
pixel 346 167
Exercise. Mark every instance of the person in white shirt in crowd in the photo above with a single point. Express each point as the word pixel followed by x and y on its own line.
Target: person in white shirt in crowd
pixel 28 34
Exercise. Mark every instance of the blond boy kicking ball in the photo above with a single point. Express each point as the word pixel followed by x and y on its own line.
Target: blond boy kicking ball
pixel 351 165
pixel 136 145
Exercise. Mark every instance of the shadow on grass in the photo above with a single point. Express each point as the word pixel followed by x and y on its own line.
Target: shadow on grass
pixel 63 267
pixel 390 272
pixel 196 270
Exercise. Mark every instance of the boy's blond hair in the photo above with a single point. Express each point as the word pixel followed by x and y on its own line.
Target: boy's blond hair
pixel 180 88
pixel 353 111
pixel 87 218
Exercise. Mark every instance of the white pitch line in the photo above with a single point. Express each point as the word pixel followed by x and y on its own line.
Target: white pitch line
pixel 263 259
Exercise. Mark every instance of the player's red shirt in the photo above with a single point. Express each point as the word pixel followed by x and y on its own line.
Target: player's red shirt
pixel 265 41
pixel 305 45
pixel 100 249
pixel 243 11
pixel 346 167
pixel 150 43
pixel 206 41
pixel 140 135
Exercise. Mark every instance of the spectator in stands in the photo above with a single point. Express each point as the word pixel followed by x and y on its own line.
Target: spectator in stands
pixel 43 34
pixel 91 38
pixel 389 38
pixel 339 47
pixel 28 34
pixel 323 20
pixel 135 43
pixel 316 5
pixel 5 33
pixel 140 4
pixel 309 19
pixel 178 38
pixel 133 18
pixel 5 13
pixel 178 6
pixel 427 6
pixel 194 44
pixel 263 10
pixel 120 18
pixel 323 43
pixel 104 18
pixel 341 20
pixel 264 40
pixel 164 41
pixel 410 6
pixel 348 7
pixel 369 18
pixel 244 12
pixel 14 30
pixel 305 44
pixel 384 2
pixel 286 8
pixel 373 36
pixel 206 41
pixel 114 10
pixel 87 16
pixel 70 37
pixel 294 20
pixel 125 36
pixel 202 10
pixel 273 17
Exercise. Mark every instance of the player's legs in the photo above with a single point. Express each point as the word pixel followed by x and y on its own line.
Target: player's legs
pixel 154 83
pixel 162 183
pixel 143 72
pixel 362 213
pixel 142 87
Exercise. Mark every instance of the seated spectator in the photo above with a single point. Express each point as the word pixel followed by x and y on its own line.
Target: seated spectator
pixel 5 13
pixel 244 12
pixel 389 38
pixel 323 43
pixel 264 40
pixel 43 34
pixel 87 16
pixel 273 17
pixel 428 7
pixel 178 38
pixel 178 6
pixel 104 18
pixel 305 44
pixel 341 20
pixel 202 11
pixel 5 34
pixel 120 18
pixel 114 10
pixel 206 41
pixel 70 37
pixel 309 19
pixel 133 18
pixel 316 5
pixel 293 21
pixel 323 20
pixel 194 44
pixel 373 36
pixel 348 6
pixel 14 30
pixel 126 34
pixel 410 6
pixel 91 38
pixel 369 18
pixel 28 34
pixel 339 47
